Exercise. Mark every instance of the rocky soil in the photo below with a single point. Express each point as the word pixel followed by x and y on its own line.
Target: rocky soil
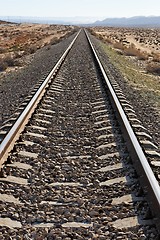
pixel 147 40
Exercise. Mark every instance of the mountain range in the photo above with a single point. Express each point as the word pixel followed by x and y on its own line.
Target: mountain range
pixel 139 21
pixel 51 20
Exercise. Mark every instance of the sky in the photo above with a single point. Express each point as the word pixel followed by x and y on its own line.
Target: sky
pixel 85 8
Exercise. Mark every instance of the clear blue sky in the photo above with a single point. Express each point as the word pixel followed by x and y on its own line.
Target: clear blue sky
pixel 84 8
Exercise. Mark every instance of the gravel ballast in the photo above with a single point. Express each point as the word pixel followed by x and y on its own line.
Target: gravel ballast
pixel 16 85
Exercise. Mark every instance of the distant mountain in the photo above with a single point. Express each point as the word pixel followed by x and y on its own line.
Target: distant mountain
pixel 50 20
pixel 4 22
pixel 139 21
pixel 41 20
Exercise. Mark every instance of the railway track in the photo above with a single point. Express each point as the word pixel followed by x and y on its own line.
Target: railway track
pixel 70 174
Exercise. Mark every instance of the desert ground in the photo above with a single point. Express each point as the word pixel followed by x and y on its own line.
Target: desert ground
pixel 20 40
pixel 146 40
pixel 138 42
pixel 135 53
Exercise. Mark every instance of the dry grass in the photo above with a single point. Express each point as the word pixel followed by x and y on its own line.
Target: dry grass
pixel 121 47
pixel 126 48
pixel 142 43
pixel 142 75
pixel 130 51
pixel 133 51
pixel 147 84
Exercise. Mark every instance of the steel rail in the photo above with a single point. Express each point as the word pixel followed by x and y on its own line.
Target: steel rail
pixel 147 176
pixel 8 142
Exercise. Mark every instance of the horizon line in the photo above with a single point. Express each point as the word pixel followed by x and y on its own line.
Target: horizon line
pixel 77 16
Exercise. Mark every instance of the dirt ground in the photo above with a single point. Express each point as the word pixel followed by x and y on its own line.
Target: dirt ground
pixel 147 40
pixel 19 40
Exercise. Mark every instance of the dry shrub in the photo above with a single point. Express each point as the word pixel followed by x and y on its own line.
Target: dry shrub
pixel 156 57
pixel 131 51
pixel 100 36
pixel 48 47
pixel 118 45
pixel 18 62
pixel 9 61
pixel 92 32
pixel 2 50
pixel 54 40
pixel 6 62
pixel 32 49
pixel 108 40
pixel 142 55
pixel 29 49
pixel 153 68
pixel 3 65
pixel 18 54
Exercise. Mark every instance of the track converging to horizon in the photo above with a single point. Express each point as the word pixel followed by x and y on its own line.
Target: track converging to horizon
pixel 70 173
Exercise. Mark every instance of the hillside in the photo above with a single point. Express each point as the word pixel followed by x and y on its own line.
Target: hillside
pixel 4 22
pixel 130 22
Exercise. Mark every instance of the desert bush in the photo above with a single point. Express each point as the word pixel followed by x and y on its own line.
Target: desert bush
pixel 2 50
pixel 48 47
pixel 18 62
pixel 153 68
pixel 3 65
pixel 131 51
pixel 118 45
pixel 30 49
pixel 9 61
pixel 18 54
pixel 54 40
pixel 156 57
pixel 108 40
pixel 15 48
pixel 5 34
pixel 100 37
pixel 92 31
pixel 142 55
